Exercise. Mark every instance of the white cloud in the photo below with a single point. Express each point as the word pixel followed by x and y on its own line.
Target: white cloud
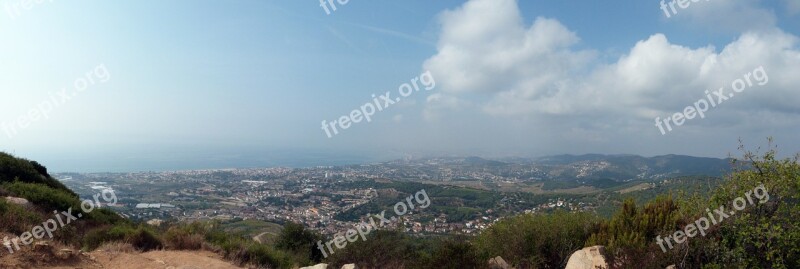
pixel 498 54
pixel 489 56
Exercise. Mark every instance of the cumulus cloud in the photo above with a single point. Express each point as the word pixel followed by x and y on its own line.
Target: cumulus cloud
pixel 488 55
pixel 498 54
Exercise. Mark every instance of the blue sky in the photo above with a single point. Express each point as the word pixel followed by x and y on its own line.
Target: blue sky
pixel 200 81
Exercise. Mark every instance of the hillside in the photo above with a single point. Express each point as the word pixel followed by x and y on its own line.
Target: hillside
pixel 634 233
pixel 27 196
pixel 630 167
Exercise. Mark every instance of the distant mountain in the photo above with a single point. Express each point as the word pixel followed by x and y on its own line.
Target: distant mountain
pixel 629 167
pixel 568 158
pixel 482 161
pixel 581 169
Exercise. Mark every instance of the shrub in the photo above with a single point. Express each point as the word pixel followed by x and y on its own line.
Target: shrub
pixel 301 242
pixel 263 255
pixel 144 239
pixel 537 241
pixel 16 219
pixel 180 238
pixel 763 235
pixel 382 249
pixel 454 254
pixel 43 196
pixel 141 238
pixel 629 235
pixel 105 234
pixel 16 169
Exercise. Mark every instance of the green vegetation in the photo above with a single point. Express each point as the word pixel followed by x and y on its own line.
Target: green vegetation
pixel 537 241
pixel 459 204
pixel 560 185
pixel 763 235
pixel 253 228
pixel 15 219
pixel 14 169
pixel 235 247
pixel 30 180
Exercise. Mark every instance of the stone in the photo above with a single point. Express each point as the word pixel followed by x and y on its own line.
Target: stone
pixel 498 263
pixel 349 266
pixel 65 253
pixel 17 201
pixel 42 246
pixel 588 258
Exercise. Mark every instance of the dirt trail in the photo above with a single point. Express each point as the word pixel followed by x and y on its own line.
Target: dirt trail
pixel 162 260
pixel 122 260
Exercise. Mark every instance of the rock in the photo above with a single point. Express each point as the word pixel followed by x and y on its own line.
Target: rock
pixel 65 253
pixel 498 263
pixel 41 246
pixel 672 267
pixel 349 266
pixel 588 258
pixel 17 201
pixel 318 266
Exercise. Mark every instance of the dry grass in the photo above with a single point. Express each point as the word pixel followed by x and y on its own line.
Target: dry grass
pixel 117 247
pixel 184 241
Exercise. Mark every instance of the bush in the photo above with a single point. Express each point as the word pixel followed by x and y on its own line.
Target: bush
pixel 141 238
pixel 106 216
pixel 537 241
pixel 179 238
pixel 763 235
pixel 260 254
pixel 454 254
pixel 235 247
pixel 301 242
pixel 43 196
pixel 382 249
pixel 628 236
pixel 144 239
pixel 106 234
pixel 16 219
pixel 16 169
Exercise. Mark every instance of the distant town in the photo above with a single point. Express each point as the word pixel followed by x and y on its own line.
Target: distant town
pixel 468 194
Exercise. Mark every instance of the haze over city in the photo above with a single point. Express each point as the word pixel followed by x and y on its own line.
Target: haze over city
pixel 189 85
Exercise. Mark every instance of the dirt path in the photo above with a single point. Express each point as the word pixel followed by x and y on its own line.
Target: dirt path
pixel 148 260
pixel 162 260
pixel 257 238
